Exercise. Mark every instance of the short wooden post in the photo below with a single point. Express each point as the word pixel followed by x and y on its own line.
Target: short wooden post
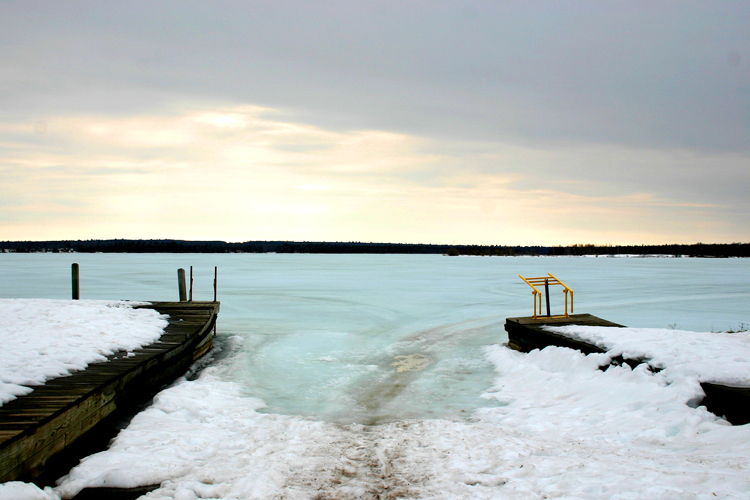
pixel 76 282
pixel 181 284
pixel 191 283
pixel 216 276
pixel 546 295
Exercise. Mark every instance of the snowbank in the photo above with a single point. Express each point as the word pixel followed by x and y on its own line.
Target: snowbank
pixel 44 339
pixel 204 439
pixel 560 427
pixel 710 357
pixel 15 490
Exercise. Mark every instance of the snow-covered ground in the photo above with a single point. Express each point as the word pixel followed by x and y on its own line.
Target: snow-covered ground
pixel 558 428
pixel 43 339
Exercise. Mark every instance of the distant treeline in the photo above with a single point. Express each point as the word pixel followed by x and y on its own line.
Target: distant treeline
pixel 180 246
pixel 694 250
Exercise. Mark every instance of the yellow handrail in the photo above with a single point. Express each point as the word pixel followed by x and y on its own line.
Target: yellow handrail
pixel 546 281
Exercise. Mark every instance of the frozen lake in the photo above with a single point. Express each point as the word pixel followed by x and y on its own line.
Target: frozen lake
pixel 381 338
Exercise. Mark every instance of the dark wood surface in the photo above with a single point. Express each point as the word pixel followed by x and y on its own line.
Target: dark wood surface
pixel 526 334
pixel 37 428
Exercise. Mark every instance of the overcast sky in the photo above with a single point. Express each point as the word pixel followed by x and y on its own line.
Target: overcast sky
pixel 503 122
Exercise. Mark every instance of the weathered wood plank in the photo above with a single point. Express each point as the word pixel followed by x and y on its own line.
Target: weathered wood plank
pixel 41 425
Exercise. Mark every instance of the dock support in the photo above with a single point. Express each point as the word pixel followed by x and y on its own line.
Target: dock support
pixel 216 279
pixel 191 284
pixel 76 281
pixel 546 296
pixel 181 284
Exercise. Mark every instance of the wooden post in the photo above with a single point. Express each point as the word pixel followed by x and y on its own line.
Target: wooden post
pixel 546 295
pixel 191 283
pixel 216 276
pixel 76 281
pixel 181 284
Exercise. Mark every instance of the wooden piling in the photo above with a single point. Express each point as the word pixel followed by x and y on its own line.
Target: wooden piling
pixel 216 279
pixel 74 271
pixel 546 294
pixel 181 284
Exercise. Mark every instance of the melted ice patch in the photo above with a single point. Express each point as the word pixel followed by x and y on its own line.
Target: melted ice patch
pixel 411 363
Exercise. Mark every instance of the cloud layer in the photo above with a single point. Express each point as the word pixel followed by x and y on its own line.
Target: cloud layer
pixel 485 122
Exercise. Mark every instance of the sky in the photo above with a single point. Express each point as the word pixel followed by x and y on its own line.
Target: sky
pixel 474 122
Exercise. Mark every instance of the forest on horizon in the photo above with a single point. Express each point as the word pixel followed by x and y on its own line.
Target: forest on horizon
pixel 185 246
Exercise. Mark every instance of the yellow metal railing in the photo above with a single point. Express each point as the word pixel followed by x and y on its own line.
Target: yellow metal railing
pixel 546 281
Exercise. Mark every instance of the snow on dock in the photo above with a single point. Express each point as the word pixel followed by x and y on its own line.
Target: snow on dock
pixel 45 339
pixel 67 366
pixel 722 358
pixel 719 362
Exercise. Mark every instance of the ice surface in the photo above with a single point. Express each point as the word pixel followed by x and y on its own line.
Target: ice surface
pixel 692 293
pixel 322 331
pixel 312 403
pixel 44 339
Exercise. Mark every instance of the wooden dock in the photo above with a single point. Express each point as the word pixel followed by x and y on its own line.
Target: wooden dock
pixel 527 333
pixel 39 429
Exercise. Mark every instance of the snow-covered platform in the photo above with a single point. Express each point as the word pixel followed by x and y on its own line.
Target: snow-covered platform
pixel 527 333
pixel 719 361
pixel 48 423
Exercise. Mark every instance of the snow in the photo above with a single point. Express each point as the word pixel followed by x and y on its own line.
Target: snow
pixel 16 490
pixel 44 339
pixel 558 428
pixel 710 357
pixel 299 408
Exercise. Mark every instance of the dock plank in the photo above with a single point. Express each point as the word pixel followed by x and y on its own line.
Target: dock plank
pixel 38 428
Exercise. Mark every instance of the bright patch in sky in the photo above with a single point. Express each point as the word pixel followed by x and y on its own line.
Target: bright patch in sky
pixel 244 173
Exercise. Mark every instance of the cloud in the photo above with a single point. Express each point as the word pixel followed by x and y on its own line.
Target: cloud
pixel 627 73
pixel 224 173
pixel 614 72
pixel 634 116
